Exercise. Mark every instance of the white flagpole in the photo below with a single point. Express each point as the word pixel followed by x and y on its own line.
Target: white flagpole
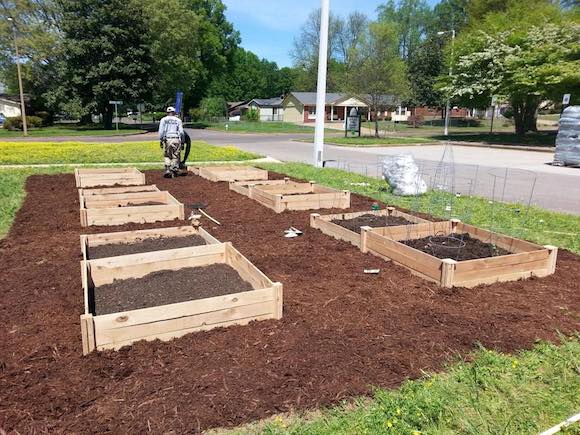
pixel 321 87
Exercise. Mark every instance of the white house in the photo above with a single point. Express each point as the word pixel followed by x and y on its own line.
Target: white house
pixel 9 106
pixel 271 109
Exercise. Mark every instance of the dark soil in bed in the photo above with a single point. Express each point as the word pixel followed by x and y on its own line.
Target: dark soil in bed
pixel 452 246
pixel 144 245
pixel 371 220
pixel 168 287
pixel 343 332
pixel 138 204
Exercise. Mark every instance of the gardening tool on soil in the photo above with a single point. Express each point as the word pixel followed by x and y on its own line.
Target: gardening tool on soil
pixel 199 206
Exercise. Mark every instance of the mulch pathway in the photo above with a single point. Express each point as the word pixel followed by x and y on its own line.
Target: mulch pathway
pixel 342 333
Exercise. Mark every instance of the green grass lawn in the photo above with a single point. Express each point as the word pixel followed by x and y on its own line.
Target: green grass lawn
pixel 257 127
pixel 536 224
pixel 20 153
pixel 369 141
pixel 68 131
pixel 496 393
pixel 540 139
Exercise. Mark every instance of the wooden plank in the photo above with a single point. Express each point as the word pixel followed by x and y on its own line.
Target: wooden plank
pixel 245 268
pixel 499 270
pixel 502 260
pixel 106 270
pixel 287 188
pixel 112 217
pixel 182 309
pixel 92 240
pixel 116 190
pixel 505 242
pixel 176 334
pixel 404 255
pixel 415 231
pixel 278 293
pixel 87 333
pixel 335 230
pixel 154 329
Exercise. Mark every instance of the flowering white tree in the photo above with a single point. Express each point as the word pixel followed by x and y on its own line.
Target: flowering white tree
pixel 522 63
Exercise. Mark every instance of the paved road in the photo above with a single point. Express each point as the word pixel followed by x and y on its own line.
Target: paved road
pixel 476 169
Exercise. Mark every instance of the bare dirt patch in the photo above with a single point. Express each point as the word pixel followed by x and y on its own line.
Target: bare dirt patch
pixel 342 333
pixel 144 245
pixel 459 247
pixel 168 287
pixel 371 220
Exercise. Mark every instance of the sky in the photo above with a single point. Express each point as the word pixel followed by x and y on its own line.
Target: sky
pixel 268 27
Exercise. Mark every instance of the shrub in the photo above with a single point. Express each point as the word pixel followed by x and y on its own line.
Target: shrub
pixel 47 118
pixel 213 107
pixel 415 121
pixel 252 115
pixel 15 123
pixel 468 122
pixel 196 114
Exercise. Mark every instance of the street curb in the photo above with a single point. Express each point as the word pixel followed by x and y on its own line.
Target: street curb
pixel 503 147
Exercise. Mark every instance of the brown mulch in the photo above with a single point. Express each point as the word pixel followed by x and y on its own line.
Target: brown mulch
pixel 449 246
pixel 144 245
pixel 370 220
pixel 168 287
pixel 342 333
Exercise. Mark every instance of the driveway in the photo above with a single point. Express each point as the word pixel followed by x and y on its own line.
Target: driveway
pixel 476 170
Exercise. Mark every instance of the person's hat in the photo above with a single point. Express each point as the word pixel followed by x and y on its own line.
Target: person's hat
pixel 170 109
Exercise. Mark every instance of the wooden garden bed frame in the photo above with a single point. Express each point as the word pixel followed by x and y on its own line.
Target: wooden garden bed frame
pixel 116 190
pixel 113 331
pixel 89 241
pixel 243 187
pixel 324 223
pixel 229 173
pixel 299 196
pixel 527 259
pixel 110 209
pixel 91 177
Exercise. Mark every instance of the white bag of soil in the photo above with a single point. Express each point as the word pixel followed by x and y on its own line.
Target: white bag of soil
pixel 402 174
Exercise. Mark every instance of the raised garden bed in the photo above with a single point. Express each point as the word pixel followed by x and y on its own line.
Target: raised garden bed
pixel 91 177
pixel 346 226
pixel 229 173
pixel 123 208
pixel 116 190
pixel 243 187
pixel 521 259
pixel 94 246
pixel 299 196
pixel 228 290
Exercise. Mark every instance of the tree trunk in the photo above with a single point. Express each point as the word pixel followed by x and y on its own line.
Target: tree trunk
pixel 376 125
pixel 525 113
pixel 108 117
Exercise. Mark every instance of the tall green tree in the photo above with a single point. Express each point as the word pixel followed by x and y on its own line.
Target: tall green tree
pixel 379 73
pixel 524 55
pixel 191 44
pixel 106 55
pixel 424 68
pixel 412 17
pixel 35 24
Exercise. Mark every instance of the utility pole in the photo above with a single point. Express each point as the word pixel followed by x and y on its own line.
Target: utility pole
pixel 448 108
pixel 22 106
pixel 321 87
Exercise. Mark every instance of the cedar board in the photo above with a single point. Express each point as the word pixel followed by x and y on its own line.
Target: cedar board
pixel 107 209
pixel 324 223
pixel 91 177
pixel 299 196
pixel 91 240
